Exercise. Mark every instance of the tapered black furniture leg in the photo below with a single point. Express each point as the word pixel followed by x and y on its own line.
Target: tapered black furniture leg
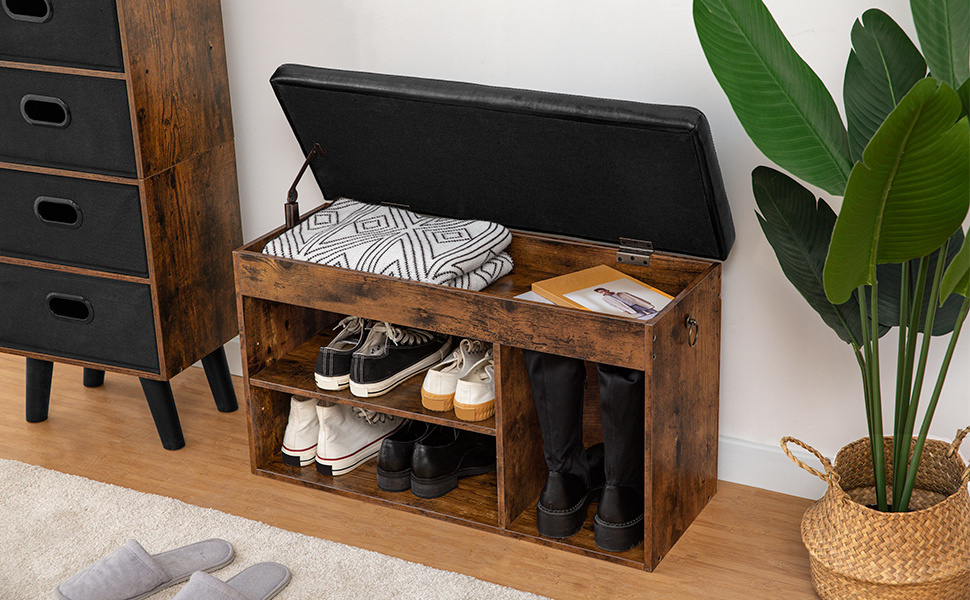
pixel 93 378
pixel 162 404
pixel 220 382
pixel 39 373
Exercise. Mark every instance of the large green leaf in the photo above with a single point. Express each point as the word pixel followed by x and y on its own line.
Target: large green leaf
pixel 780 101
pixel 910 193
pixel 956 280
pixel 799 229
pixel 883 65
pixel 964 93
pixel 890 278
pixel 943 27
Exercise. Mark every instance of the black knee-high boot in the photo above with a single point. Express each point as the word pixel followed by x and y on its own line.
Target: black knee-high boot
pixel 619 517
pixel 575 474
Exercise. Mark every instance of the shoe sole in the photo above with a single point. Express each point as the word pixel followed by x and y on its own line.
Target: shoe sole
pixel 398 481
pixel 560 524
pixel 342 466
pixel 379 388
pixel 332 384
pixel 439 486
pixel 475 412
pixel 436 402
pixel 299 459
pixel 614 537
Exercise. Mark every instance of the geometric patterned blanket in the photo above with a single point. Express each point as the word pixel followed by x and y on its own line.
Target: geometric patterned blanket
pixel 392 241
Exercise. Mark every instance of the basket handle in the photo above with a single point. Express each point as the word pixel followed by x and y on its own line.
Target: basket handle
pixel 830 476
pixel 955 446
pixel 966 477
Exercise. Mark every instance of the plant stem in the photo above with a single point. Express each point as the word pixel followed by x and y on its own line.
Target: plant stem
pixel 931 408
pixel 902 385
pixel 870 336
pixel 879 457
pixel 913 462
pixel 901 445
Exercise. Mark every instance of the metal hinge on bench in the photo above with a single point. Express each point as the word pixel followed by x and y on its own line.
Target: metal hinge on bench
pixel 634 252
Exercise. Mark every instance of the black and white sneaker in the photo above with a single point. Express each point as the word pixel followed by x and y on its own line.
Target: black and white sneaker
pixel 333 362
pixel 391 354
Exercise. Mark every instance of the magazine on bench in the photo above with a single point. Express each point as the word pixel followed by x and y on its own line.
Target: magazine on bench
pixel 606 290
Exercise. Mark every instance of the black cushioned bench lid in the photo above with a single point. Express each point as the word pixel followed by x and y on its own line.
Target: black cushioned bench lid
pixel 568 165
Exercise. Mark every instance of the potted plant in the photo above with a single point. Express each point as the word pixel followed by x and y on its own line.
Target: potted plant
pixel 894 257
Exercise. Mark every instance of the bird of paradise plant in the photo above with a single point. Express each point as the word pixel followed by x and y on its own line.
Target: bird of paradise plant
pixel 895 255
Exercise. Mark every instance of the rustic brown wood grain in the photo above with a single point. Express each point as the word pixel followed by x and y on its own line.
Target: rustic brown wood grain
pixel 521 466
pixel 680 430
pixel 682 415
pixel 178 80
pixel 192 212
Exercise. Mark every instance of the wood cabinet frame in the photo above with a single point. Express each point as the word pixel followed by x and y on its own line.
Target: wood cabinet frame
pixel 286 308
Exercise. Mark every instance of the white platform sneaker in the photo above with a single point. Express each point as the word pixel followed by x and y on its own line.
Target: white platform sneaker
pixel 475 391
pixel 350 436
pixel 302 432
pixel 438 389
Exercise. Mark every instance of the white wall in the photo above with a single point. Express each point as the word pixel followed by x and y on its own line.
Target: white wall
pixel 782 371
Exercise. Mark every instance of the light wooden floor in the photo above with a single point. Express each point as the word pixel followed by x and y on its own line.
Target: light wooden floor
pixel 745 545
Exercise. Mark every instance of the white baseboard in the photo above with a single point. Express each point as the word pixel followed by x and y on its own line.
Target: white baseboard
pixel 739 461
pixel 767 467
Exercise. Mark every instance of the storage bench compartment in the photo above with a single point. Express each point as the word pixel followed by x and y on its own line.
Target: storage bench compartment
pixel 71 221
pixel 287 308
pixel 572 178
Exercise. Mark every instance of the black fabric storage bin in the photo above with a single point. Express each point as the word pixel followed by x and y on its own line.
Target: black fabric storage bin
pixel 66 121
pixel 69 221
pixel 61 32
pixel 74 316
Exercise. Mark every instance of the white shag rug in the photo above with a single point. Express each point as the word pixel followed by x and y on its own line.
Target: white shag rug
pixel 53 524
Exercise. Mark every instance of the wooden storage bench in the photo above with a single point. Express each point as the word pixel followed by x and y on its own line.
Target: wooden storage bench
pixel 287 308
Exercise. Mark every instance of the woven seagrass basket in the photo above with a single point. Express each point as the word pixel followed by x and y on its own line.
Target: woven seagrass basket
pixel 861 553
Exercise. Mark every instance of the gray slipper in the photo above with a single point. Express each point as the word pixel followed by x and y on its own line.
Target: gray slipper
pixel 261 581
pixel 130 573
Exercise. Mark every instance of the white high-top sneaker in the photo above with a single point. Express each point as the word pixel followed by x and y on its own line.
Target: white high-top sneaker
pixel 301 434
pixel 349 436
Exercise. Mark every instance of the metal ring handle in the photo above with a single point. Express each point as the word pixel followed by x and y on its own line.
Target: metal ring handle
pixel 691 324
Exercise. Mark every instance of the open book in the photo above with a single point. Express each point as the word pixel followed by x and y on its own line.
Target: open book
pixel 606 290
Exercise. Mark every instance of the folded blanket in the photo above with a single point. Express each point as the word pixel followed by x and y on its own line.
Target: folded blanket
pixel 392 241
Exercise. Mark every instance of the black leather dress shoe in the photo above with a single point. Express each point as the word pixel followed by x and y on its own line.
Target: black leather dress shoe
pixel 394 458
pixel 561 510
pixel 445 456
pixel 618 525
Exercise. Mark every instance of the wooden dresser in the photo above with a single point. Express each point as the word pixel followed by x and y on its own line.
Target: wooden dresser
pixel 119 194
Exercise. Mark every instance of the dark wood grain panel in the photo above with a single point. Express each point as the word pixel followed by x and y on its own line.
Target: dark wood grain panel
pixel 521 466
pixel 270 330
pixel 179 85
pixel 682 416
pixel 193 225
pixel 583 334
pixel 558 256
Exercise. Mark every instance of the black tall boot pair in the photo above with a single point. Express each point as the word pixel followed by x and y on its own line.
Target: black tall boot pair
pixel 610 473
